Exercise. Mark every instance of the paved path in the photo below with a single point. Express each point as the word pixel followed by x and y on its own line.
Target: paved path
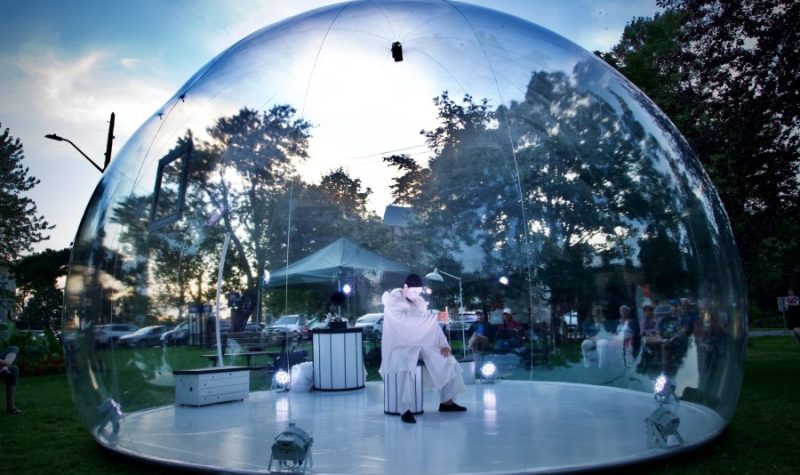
pixel 769 333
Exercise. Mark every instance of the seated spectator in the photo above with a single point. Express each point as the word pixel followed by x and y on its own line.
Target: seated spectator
pixel 650 324
pixel 627 334
pixel 508 336
pixel 10 374
pixel 508 321
pixel 673 335
pixel 481 338
pixel 650 344
pixel 709 336
pixel 595 346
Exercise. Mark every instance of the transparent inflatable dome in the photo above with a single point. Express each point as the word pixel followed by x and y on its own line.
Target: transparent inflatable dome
pixel 576 254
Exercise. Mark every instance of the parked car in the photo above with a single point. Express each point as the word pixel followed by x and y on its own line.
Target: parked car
pixel 177 336
pixel 253 327
pixel 377 328
pixel 367 324
pixel 571 328
pixel 110 333
pixel 294 325
pixel 147 336
pixel 319 323
pixel 463 322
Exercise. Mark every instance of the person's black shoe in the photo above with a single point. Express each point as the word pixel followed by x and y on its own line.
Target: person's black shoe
pixel 452 407
pixel 408 418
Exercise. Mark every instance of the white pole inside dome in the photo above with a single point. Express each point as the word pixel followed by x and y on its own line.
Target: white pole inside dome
pixel 436 275
pixel 222 255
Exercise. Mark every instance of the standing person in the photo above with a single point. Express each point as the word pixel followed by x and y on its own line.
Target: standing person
pixel 10 374
pixel 792 303
pixel 410 331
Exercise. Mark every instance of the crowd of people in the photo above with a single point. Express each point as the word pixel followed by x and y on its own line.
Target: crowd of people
pixel 660 340
pixel 504 336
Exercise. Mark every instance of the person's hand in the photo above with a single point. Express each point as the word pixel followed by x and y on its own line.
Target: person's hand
pixel 445 350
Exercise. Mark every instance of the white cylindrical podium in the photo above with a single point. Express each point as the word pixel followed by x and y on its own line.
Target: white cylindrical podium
pixel 391 393
pixel 338 359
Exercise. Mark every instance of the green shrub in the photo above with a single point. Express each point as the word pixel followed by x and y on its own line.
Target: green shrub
pixel 37 355
pixel 760 318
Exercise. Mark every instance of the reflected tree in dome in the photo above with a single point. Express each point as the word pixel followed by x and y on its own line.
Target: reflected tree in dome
pixel 590 185
pixel 247 176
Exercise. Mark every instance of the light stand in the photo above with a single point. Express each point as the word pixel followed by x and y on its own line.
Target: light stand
pixel 291 451
pixel 109 142
pixel 488 373
pixel 222 254
pixel 662 425
pixel 110 413
pixel 437 276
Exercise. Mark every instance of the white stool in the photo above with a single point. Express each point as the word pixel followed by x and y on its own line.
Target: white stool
pixel 391 394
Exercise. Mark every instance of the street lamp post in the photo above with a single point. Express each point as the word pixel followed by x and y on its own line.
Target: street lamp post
pixel 109 142
pixel 437 276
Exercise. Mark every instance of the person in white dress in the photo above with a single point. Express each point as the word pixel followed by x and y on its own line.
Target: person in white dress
pixel 411 332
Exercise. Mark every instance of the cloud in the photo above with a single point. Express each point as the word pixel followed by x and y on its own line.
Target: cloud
pixel 46 90
pixel 88 87
pixel 76 93
pixel 131 63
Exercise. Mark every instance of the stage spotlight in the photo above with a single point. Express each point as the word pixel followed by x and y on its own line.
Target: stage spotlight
pixel 503 280
pixel 664 389
pixel 662 428
pixel 488 373
pixel 397 51
pixel 291 451
pixel 346 288
pixel 110 412
pixel 281 380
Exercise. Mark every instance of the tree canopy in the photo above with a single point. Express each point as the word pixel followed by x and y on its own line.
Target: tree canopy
pixel 726 74
pixel 37 292
pixel 21 225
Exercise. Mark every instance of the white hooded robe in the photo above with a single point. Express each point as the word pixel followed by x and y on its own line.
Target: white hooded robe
pixel 410 331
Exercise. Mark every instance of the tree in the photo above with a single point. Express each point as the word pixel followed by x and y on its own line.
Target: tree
pixel 651 55
pixel 36 277
pixel 248 169
pixel 22 226
pixel 560 186
pixel 726 74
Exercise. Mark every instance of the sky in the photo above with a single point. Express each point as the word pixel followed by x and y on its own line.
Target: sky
pixel 65 66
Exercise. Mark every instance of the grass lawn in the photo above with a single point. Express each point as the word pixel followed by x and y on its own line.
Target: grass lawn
pixel 761 438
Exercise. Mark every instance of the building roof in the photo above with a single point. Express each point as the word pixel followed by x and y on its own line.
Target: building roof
pixel 397 215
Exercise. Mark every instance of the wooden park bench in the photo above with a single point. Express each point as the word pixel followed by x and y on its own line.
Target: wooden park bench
pixel 250 357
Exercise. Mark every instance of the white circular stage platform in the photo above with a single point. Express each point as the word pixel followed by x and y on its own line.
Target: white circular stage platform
pixel 510 427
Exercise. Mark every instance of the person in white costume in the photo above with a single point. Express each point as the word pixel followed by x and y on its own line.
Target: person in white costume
pixel 411 331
